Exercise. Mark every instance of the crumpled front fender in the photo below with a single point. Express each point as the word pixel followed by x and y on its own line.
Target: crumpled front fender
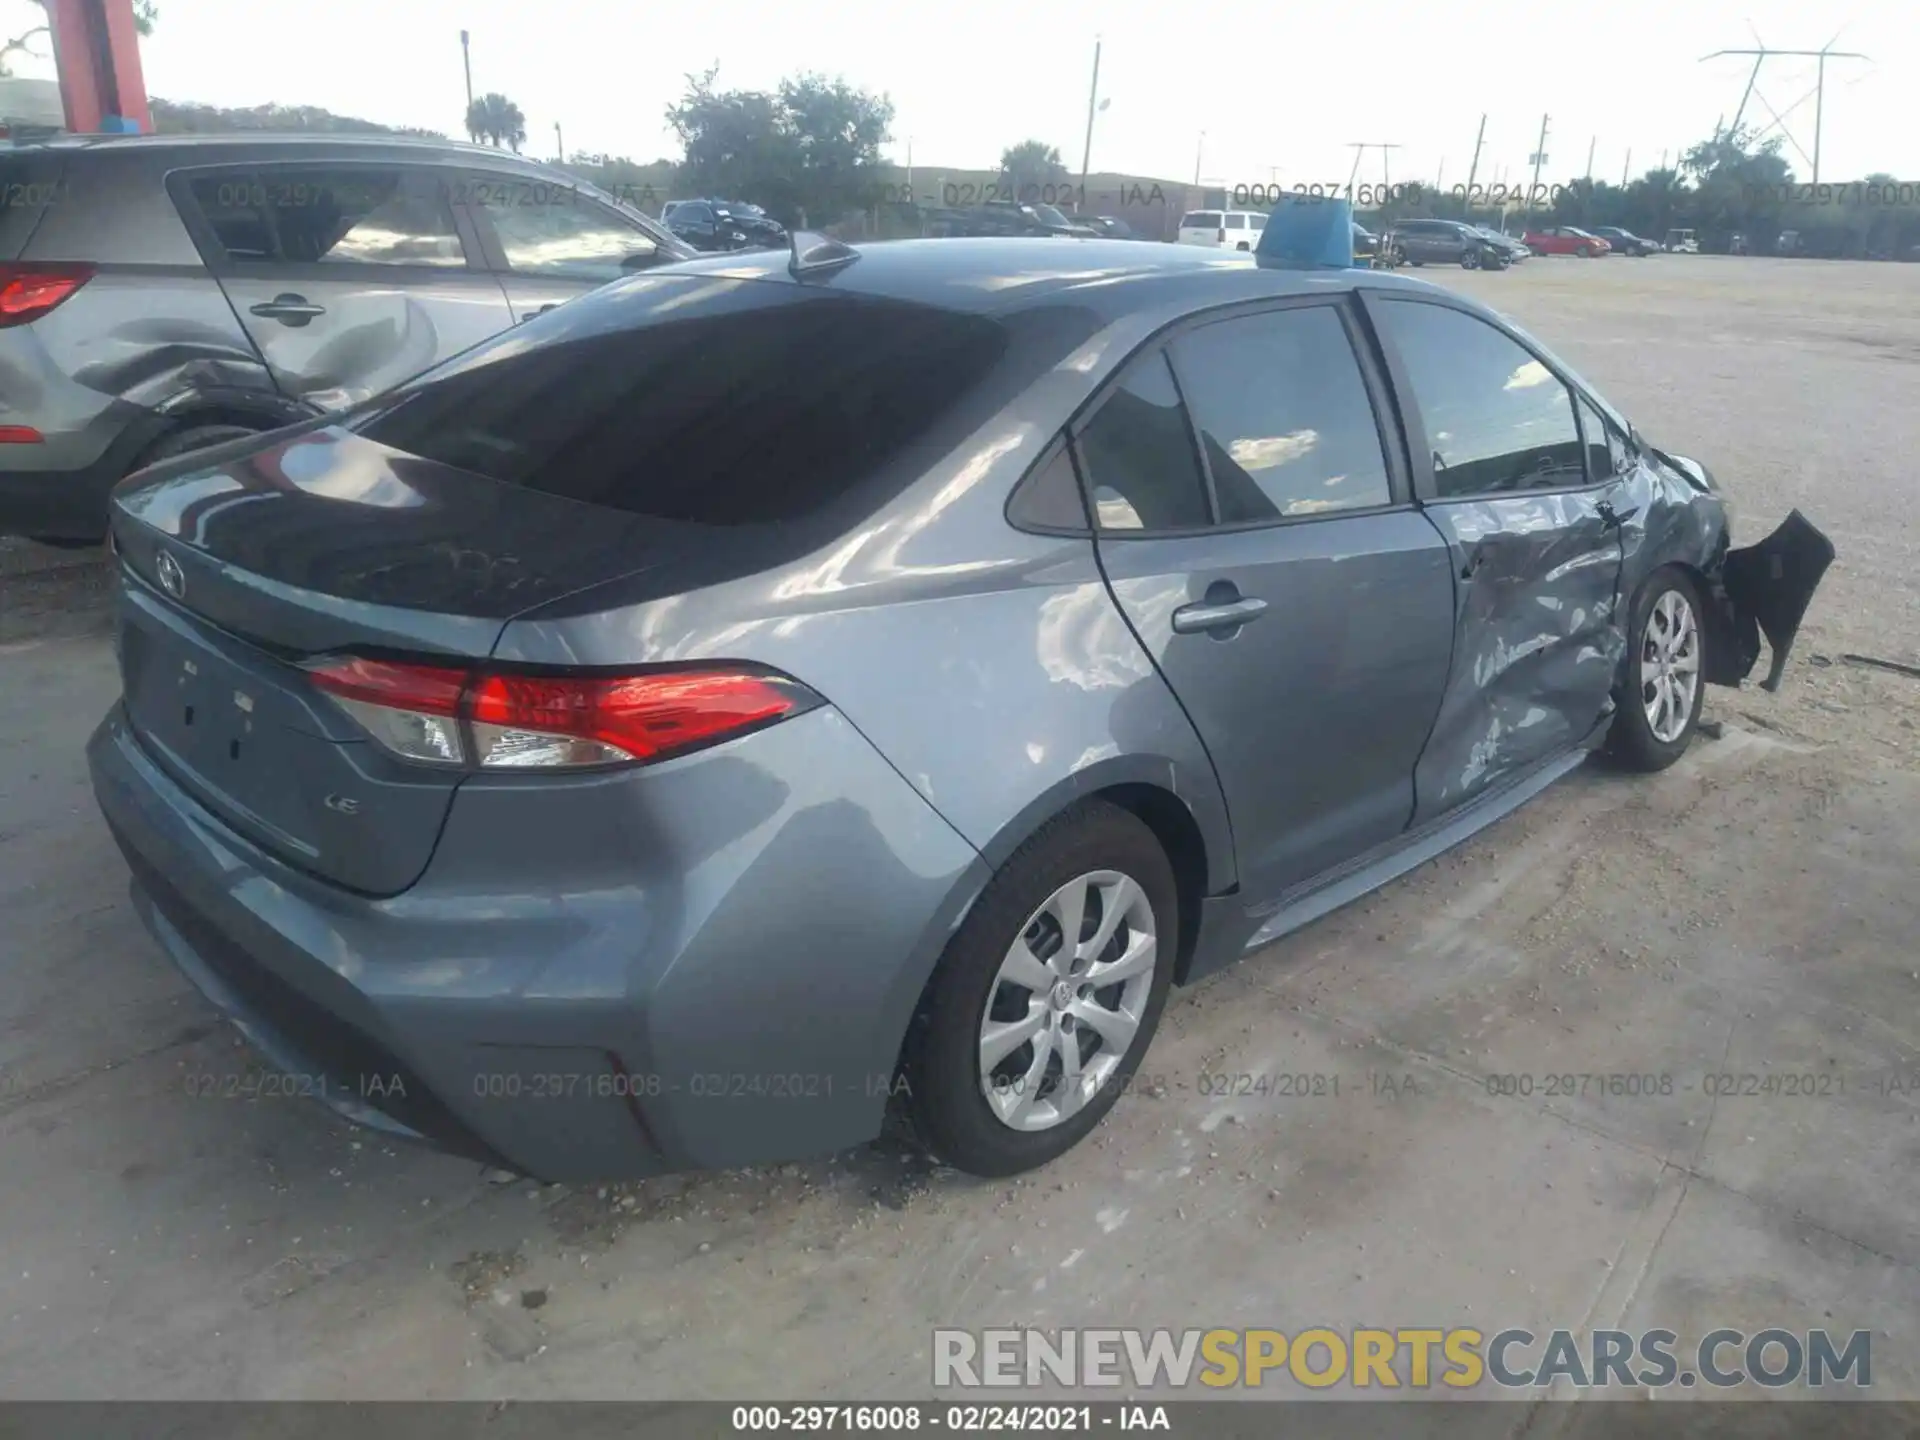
pixel 1764 589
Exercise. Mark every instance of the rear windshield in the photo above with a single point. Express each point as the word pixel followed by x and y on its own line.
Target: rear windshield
pixel 696 398
pixel 29 182
pixel 1201 220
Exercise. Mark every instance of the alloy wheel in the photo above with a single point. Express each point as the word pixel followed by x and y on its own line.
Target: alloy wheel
pixel 1670 666
pixel 1066 1005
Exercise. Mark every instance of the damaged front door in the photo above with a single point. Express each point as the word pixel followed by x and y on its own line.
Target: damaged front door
pixel 1534 535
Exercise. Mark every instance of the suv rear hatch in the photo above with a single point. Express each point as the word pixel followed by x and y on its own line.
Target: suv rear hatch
pixel 678 430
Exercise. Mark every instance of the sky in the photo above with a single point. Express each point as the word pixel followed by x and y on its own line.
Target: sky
pixel 1254 93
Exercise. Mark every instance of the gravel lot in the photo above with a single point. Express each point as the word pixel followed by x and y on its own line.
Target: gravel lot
pixel 1751 911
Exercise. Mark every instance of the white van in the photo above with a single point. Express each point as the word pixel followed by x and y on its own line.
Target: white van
pixel 1222 229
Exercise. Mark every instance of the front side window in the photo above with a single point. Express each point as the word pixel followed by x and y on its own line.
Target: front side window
pixel 570 238
pixel 1283 414
pixel 1137 456
pixel 1497 420
pixel 300 215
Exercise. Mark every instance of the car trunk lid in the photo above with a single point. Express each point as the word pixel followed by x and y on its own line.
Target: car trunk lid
pixel 242 564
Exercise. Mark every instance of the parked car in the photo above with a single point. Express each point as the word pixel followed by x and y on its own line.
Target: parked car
pixel 1366 244
pixel 1682 242
pixel 1449 242
pixel 1625 242
pixel 1222 229
pixel 1565 240
pixel 1004 218
pixel 583 757
pixel 1516 248
pixel 159 294
pixel 1113 228
pixel 710 225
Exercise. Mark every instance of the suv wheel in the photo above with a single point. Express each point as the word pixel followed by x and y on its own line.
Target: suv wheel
pixel 194 437
pixel 1047 997
pixel 1469 259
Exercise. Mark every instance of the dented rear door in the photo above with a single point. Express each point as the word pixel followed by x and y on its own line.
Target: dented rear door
pixel 349 278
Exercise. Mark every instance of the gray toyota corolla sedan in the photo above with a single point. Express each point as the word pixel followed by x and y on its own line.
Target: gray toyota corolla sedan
pixel 766 691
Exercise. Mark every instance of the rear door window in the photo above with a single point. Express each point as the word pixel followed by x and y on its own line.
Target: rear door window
pixel 1283 415
pixel 307 215
pixel 1236 222
pixel 696 398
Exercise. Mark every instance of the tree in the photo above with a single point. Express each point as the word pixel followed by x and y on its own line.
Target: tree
pixel 810 149
pixel 173 117
pixel 497 120
pixel 1029 166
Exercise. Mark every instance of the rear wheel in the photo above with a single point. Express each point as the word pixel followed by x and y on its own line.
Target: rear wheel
pixel 1658 705
pixel 193 437
pixel 1047 997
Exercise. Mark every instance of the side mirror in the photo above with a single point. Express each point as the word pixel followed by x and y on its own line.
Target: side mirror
pixel 639 259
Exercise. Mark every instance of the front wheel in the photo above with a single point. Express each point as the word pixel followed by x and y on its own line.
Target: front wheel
pixel 1048 996
pixel 1585 252
pixel 1469 259
pixel 1658 704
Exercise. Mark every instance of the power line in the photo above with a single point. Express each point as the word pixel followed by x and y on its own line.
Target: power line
pixel 1763 53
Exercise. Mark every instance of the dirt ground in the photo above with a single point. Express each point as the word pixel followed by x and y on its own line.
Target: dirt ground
pixel 1750 912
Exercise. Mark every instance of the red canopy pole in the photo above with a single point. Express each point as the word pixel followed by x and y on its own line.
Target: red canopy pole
pixel 96 50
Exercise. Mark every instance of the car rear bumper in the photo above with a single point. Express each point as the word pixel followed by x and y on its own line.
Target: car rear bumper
pixel 58 490
pixel 710 962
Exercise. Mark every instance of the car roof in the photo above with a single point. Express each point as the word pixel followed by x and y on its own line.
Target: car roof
pixel 212 147
pixel 1001 275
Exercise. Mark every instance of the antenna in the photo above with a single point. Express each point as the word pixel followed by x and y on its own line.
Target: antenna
pixel 1764 53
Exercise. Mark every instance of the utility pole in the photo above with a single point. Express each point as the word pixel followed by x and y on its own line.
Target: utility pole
pixel 1764 53
pixel 1591 144
pixel 559 146
pixel 1625 166
pixel 466 63
pixel 1093 97
pixel 1474 168
pixel 1360 148
pixel 1199 149
pixel 1539 158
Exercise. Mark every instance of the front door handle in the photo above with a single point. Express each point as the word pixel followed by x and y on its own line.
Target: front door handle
pixel 541 310
pixel 288 309
pixel 1226 615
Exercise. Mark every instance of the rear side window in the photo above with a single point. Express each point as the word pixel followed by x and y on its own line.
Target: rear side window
pixel 1284 415
pixel 1200 220
pixel 1496 419
pixel 1137 451
pixel 718 402
pixel 1236 222
pixel 309 216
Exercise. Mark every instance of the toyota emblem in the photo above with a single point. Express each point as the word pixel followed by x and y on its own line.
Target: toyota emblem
pixel 173 579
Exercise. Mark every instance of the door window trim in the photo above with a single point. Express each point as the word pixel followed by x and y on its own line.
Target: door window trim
pixel 1158 346
pixel 1413 423
pixel 220 264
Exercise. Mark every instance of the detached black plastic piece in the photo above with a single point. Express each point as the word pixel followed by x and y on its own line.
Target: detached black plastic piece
pixel 1770 586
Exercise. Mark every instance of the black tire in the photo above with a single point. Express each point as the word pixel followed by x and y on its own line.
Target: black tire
pixel 193 437
pixel 1585 252
pixel 1469 259
pixel 1632 741
pixel 946 1106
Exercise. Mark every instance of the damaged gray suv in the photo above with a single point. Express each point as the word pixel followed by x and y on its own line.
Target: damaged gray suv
pixel 159 294
pixel 776 689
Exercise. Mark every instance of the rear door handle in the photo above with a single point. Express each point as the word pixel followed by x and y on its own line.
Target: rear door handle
pixel 1228 615
pixel 288 309
pixel 539 311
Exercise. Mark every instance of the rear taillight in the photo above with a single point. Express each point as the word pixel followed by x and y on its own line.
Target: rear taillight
pixel 29 290
pixel 507 721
